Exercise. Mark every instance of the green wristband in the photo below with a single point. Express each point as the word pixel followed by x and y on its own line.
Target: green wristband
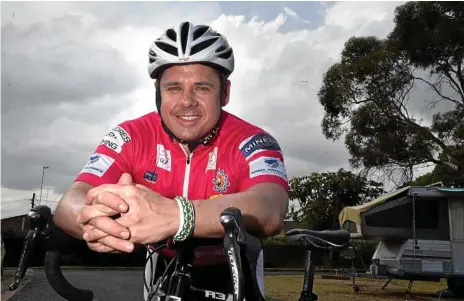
pixel 187 219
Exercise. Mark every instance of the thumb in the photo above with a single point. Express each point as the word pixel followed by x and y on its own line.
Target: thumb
pixel 126 179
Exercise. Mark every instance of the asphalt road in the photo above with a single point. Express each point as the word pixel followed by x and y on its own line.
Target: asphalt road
pixel 107 285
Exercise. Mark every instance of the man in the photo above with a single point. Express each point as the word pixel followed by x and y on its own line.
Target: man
pixel 191 156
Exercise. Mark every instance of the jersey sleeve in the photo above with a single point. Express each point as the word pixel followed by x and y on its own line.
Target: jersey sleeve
pixel 261 161
pixel 112 157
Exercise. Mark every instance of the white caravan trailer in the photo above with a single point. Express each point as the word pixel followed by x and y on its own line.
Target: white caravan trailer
pixel 421 234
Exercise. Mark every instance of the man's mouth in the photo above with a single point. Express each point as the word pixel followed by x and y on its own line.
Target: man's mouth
pixel 189 117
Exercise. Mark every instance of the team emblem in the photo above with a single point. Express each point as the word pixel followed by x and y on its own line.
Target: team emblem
pixel 221 181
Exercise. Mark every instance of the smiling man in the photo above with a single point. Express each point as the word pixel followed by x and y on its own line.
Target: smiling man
pixel 191 157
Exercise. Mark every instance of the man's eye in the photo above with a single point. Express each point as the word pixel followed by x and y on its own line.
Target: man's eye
pixel 173 89
pixel 202 89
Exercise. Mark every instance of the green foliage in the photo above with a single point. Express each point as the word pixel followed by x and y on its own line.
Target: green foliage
pixel 365 95
pixel 321 197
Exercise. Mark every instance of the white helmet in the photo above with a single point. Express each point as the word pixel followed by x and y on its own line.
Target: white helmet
pixel 187 44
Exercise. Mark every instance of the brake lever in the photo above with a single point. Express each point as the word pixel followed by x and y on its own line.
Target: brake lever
pixel 231 220
pixel 39 218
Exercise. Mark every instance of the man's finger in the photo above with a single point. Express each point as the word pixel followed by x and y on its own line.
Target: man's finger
pixel 126 179
pixel 110 200
pixel 122 191
pixel 100 248
pixel 92 193
pixel 97 234
pixel 117 244
pixel 90 212
pixel 109 226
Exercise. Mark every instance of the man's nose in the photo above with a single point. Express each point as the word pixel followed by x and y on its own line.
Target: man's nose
pixel 188 98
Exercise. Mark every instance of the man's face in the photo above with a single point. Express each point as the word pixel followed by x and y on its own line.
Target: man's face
pixel 190 104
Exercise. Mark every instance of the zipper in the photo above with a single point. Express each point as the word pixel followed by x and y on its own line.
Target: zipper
pixel 185 187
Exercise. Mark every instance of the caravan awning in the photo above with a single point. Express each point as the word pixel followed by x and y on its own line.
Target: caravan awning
pixel 353 214
pixel 391 215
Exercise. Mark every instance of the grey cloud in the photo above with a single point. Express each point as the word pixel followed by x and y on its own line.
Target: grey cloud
pixel 58 63
pixel 60 87
pixel 291 109
pixel 64 85
pixel 60 138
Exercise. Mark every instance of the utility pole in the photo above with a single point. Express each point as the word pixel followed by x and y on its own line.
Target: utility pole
pixel 32 200
pixel 41 184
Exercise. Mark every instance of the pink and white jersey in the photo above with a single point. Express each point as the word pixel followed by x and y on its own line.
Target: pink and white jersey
pixel 242 155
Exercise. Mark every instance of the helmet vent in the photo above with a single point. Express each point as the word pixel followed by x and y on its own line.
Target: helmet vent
pixel 199 32
pixel 167 48
pixel 202 45
pixel 226 55
pixel 184 31
pixel 171 34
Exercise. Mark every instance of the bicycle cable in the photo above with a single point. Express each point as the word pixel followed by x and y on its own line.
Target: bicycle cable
pixel 161 282
pixel 149 258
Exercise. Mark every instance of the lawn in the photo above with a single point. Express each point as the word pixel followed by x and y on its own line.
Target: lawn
pixel 287 288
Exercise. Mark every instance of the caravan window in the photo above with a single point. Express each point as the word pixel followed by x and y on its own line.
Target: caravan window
pixel 427 212
pixel 400 216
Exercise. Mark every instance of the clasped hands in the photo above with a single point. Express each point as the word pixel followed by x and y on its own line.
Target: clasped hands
pixel 145 216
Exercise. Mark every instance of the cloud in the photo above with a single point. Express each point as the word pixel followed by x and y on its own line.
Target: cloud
pixel 70 71
pixel 290 12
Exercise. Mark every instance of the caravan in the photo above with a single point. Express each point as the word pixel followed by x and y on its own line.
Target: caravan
pixel 420 232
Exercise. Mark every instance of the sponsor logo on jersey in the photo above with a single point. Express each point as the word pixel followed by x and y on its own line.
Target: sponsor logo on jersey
pixel 268 166
pixel 221 181
pixel 163 157
pixel 212 160
pixel 98 164
pixel 115 139
pixel 150 176
pixel 258 143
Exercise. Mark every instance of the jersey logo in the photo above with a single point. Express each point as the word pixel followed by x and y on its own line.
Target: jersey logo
pixel 163 157
pixel 221 181
pixel 115 139
pixel 268 166
pixel 212 160
pixel 258 143
pixel 98 164
pixel 151 176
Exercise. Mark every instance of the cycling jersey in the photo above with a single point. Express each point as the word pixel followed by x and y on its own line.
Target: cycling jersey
pixel 241 156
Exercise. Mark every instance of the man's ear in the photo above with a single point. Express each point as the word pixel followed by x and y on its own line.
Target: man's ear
pixel 226 97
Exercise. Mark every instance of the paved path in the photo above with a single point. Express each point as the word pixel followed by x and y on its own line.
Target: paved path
pixel 107 285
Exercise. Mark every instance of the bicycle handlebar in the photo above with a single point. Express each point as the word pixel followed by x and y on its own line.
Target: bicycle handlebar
pixel 59 283
pixel 57 240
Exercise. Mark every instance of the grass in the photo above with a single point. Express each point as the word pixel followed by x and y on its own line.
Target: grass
pixel 287 288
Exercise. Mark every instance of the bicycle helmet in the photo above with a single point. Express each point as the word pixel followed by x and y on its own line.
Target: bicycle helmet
pixel 189 44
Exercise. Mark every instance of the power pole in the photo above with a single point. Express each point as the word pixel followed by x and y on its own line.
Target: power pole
pixel 41 184
pixel 32 200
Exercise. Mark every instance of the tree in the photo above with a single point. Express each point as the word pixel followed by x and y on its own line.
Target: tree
pixel 449 178
pixel 321 197
pixel 365 95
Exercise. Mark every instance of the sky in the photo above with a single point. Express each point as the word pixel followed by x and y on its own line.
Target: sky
pixel 72 70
